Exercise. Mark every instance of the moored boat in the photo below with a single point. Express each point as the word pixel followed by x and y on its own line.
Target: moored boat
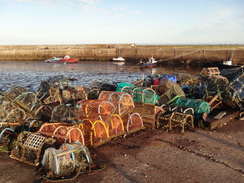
pixel 149 64
pixel 54 60
pixel 71 60
pixel 66 59
pixel 120 59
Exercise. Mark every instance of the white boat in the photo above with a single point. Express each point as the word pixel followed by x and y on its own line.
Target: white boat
pixel 121 59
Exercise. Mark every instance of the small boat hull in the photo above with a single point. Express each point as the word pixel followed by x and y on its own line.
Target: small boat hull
pixel 70 61
pixel 119 59
pixel 56 60
pixel 148 65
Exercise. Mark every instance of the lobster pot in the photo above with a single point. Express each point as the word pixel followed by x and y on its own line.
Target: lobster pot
pixel 162 120
pixel 49 128
pixel 100 134
pixel 184 121
pixel 168 90
pixel 63 113
pixel 95 132
pixel 62 133
pixel 116 126
pixel 134 123
pixel 86 127
pixel 102 86
pixel 125 87
pixel 175 120
pixel 236 92
pixel 80 93
pixel 29 147
pixel 72 95
pixel 68 134
pixel 95 110
pixel 146 95
pixel 15 91
pixel 16 115
pixel 42 112
pixel 123 101
pixel 66 159
pixel 28 99
pixel 208 72
pixel 217 83
pixel 200 107
pixel 53 96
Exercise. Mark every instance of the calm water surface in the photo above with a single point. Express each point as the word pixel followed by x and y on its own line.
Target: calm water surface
pixel 30 74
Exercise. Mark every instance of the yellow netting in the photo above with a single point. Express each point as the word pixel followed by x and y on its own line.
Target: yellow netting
pixel 98 132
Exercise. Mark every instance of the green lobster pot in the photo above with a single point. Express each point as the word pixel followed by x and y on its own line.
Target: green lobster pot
pixel 199 106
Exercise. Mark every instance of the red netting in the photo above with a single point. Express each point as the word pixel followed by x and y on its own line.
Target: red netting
pixel 60 133
pixel 95 110
pixel 116 126
pixel 134 123
pixel 63 133
pixel 75 135
pixel 100 133
pixel 49 128
pixel 122 100
pixel 86 127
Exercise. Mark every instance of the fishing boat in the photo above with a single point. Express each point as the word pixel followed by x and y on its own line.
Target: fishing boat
pixel 228 64
pixel 149 64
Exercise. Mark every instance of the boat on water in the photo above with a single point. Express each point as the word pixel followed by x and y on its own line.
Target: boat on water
pixel 228 64
pixel 54 60
pixel 149 64
pixel 66 59
pixel 119 59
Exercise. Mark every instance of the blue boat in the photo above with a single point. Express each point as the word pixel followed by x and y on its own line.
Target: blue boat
pixel 54 60
pixel 149 64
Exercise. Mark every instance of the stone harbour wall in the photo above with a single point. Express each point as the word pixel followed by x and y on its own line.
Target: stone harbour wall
pixel 131 52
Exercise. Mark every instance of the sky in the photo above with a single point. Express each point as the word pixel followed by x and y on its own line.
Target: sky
pixel 163 22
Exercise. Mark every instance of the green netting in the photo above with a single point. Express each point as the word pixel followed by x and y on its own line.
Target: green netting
pixel 199 106
pixel 145 96
pixel 122 85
